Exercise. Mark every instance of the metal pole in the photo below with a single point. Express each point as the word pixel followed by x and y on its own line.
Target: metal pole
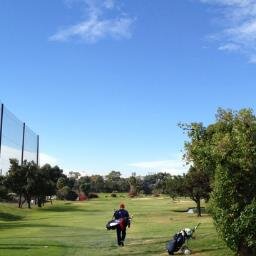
pixel 1 133
pixel 1 126
pixel 23 141
pixel 37 152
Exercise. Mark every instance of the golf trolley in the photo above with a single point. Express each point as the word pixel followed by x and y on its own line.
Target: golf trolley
pixel 180 240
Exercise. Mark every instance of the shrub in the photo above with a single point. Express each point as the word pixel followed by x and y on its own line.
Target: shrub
pixel 63 192
pixel 82 197
pixel 71 196
pixel 113 194
pixel 93 195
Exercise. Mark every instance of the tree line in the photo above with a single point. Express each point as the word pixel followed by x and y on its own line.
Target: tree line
pixel 28 182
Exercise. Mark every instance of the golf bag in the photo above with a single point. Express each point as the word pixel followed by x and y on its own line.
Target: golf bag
pixel 176 243
pixel 112 224
pixel 122 222
pixel 179 240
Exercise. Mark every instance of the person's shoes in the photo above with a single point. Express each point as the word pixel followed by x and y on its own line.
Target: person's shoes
pixel 122 243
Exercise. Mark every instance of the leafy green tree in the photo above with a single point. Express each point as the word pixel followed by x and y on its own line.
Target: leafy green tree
pixel 3 189
pixel 30 169
pixel 160 182
pixel 85 188
pixel 63 192
pixel 76 175
pixel 197 187
pixel 226 150
pixel 113 182
pixel 198 148
pixel 48 178
pixel 175 186
pixel 134 185
pixel 15 179
pixel 234 194
pixel 61 182
pixel 97 183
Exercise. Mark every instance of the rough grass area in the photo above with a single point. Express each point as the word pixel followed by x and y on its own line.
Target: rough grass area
pixel 78 228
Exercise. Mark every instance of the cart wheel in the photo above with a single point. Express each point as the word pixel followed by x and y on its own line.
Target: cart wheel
pixel 185 250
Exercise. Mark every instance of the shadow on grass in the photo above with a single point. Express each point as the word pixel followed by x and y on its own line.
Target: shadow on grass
pixel 180 210
pixel 209 249
pixel 68 208
pixel 10 217
pixel 33 246
pixel 14 225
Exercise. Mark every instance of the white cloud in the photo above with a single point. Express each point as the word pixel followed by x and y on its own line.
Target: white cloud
pixel 229 47
pixel 238 21
pixel 97 26
pixel 173 166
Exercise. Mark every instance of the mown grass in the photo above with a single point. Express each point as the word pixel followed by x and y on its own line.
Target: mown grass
pixel 78 228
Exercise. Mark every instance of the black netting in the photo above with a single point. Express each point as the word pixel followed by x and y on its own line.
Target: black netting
pixel 30 145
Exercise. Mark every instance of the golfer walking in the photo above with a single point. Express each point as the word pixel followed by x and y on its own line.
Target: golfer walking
pixel 123 216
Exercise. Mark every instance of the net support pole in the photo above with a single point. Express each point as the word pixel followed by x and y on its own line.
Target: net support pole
pixel 23 142
pixel 37 151
pixel 1 126
pixel 1 133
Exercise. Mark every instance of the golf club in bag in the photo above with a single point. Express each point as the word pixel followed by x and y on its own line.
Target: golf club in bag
pixel 179 239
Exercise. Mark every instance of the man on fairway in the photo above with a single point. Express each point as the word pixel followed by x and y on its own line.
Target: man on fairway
pixel 123 216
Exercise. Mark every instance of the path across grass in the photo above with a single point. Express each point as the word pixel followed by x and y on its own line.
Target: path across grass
pixel 78 229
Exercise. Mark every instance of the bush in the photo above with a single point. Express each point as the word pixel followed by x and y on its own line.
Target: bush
pixel 63 192
pixel 71 196
pixel 93 195
pixel 12 197
pixel 66 193
pixel 82 197
pixel 3 192
pixel 113 195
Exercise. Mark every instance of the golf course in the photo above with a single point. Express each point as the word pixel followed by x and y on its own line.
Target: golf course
pixel 78 228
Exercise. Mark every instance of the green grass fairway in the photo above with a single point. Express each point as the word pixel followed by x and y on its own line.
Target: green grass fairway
pixel 78 228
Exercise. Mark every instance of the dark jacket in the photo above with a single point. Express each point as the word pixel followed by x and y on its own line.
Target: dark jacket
pixel 122 214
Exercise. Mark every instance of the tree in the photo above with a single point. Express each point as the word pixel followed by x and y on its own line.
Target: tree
pixel 30 169
pixel 48 178
pixel 76 175
pixel 3 189
pixel 155 183
pixel 85 188
pixel 61 182
pixel 133 182
pixel 97 183
pixel 113 181
pixel 226 150
pixel 197 187
pixel 234 193
pixel 15 179
pixel 175 186
pixel 198 148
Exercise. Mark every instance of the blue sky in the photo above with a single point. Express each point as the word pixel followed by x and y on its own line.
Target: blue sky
pixel 105 82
